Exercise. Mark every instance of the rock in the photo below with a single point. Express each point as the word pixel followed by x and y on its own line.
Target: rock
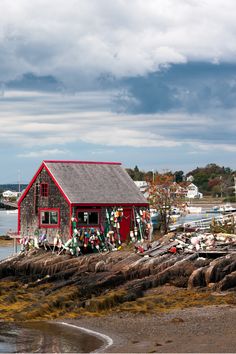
pixel 229 282
pixel 197 278
pixel 100 266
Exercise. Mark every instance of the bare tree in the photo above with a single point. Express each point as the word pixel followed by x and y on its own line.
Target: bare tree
pixel 164 195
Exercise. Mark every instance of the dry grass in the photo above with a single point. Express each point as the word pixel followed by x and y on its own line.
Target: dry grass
pixel 21 302
pixel 168 298
pixel 6 243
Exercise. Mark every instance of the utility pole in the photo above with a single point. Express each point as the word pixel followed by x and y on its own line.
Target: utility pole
pixel 221 192
pixel 19 181
pixel 235 188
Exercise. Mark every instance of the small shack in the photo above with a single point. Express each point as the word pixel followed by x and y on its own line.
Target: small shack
pixel 64 196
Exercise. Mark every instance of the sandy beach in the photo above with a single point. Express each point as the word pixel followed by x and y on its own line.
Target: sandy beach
pixel 193 330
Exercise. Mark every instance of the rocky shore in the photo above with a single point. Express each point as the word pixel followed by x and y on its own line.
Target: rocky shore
pixel 144 302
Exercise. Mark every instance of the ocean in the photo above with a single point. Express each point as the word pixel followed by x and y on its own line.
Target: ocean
pixel 8 221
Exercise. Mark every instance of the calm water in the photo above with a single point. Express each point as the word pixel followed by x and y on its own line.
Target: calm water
pixel 8 221
pixel 6 251
pixel 188 218
pixel 43 337
pixel 195 217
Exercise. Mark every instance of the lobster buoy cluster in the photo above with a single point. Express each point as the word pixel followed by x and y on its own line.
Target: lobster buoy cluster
pixel 141 225
pixel 88 239
pixel 112 230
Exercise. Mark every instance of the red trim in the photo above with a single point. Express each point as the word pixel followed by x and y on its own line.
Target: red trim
pixel 44 190
pixel 34 179
pixel 57 184
pixel 19 221
pixel 70 224
pixel 49 226
pixel 82 162
pixel 30 184
pixel 84 205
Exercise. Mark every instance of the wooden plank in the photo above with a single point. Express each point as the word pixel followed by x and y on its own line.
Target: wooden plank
pixel 163 249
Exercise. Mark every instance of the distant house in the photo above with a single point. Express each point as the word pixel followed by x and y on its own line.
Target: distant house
pixel 143 187
pixel 82 192
pixel 192 192
pixel 10 194
pixel 189 190
pixel 190 178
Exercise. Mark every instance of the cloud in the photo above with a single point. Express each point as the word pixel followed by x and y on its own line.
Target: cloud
pixel 127 136
pixel 191 87
pixel 80 40
pixel 36 121
pixel 43 153
pixel 222 147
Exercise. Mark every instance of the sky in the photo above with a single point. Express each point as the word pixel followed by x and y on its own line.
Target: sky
pixel 143 82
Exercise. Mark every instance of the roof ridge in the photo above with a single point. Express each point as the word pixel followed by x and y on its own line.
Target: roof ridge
pixel 83 162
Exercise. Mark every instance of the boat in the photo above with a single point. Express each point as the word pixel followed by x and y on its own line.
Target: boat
pixel 227 208
pixel 194 210
pixel 15 211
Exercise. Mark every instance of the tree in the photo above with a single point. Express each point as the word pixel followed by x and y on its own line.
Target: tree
pixel 163 196
pixel 136 174
pixel 179 176
pixel 213 179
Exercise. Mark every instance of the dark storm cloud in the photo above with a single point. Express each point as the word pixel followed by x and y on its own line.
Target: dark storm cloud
pixel 192 87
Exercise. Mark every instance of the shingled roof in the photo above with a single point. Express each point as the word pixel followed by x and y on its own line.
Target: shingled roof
pixel 95 183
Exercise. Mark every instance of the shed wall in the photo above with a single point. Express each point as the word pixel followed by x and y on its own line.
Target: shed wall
pixel 29 212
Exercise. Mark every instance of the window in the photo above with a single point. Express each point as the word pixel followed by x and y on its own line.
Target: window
pixel 88 218
pixel 49 218
pixel 44 189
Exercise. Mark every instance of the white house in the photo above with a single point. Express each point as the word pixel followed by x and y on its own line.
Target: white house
pixel 10 194
pixel 192 191
pixel 142 186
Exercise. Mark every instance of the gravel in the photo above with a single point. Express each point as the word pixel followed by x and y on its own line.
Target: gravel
pixel 193 330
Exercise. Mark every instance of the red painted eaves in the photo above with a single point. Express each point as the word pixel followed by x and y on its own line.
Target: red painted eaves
pixel 56 183
pixel 30 184
pixel 111 204
pixel 83 162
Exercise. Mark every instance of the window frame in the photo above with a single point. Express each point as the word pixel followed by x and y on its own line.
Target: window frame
pixel 43 189
pixel 49 226
pixel 98 211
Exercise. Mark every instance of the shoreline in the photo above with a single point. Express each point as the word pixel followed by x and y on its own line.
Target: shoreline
pixel 202 330
pixel 108 341
pixel 208 329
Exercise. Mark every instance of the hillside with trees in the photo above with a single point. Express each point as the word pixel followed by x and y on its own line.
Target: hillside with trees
pixel 212 179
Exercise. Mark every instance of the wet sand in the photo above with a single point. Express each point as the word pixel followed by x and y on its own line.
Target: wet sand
pixel 194 330
pixel 45 337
